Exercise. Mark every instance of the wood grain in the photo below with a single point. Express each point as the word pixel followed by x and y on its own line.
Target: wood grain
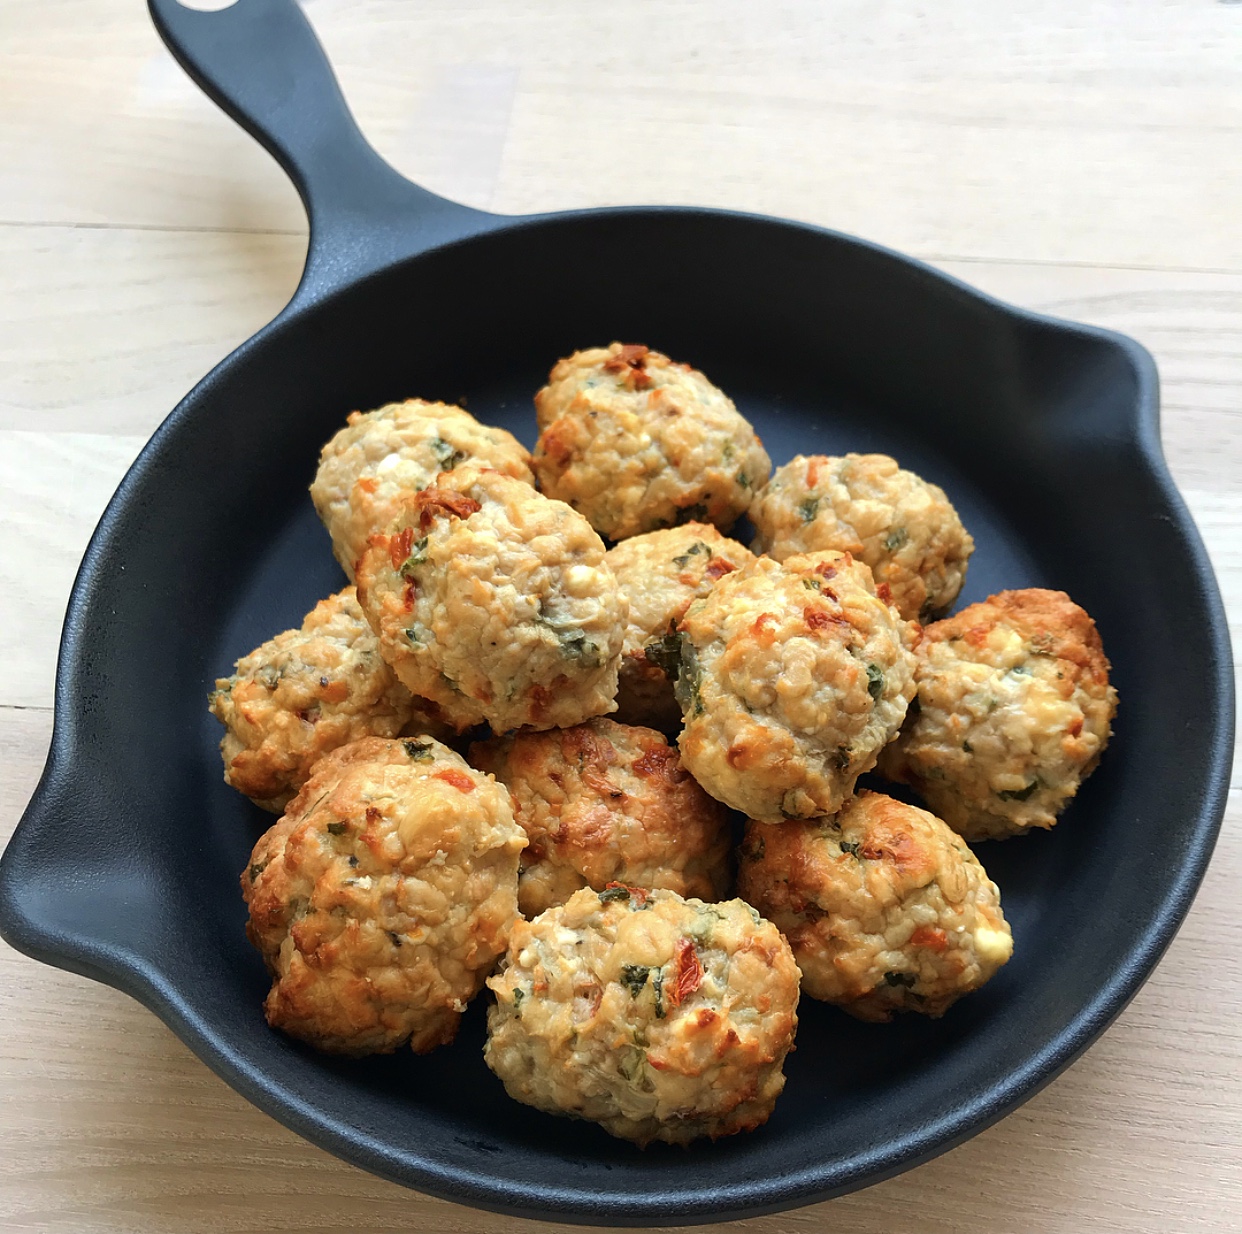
pixel 1079 160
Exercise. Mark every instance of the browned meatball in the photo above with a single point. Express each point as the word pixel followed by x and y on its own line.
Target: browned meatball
pixel 661 573
pixel 605 802
pixel 383 897
pixel 636 442
pixel 383 456
pixel 886 909
pixel 792 677
pixel 658 1018
pixel 496 603
pixel 1014 710
pixel 306 692
pixel 902 527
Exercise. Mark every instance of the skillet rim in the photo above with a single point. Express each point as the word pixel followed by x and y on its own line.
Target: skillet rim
pixel 135 975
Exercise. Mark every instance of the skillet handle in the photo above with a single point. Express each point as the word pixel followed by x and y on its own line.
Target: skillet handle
pixel 262 64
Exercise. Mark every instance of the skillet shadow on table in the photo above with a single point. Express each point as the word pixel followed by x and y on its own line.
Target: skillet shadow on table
pixel 827 346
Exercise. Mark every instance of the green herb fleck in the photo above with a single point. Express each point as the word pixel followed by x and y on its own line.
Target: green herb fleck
pixel 632 1064
pixel 684 559
pixel 743 479
pixel 809 508
pixel 613 893
pixel 446 454
pixel 419 750
pixel 841 759
pixel 518 995
pixel 875 681
pixel 657 985
pixel 727 451
pixel 895 539
pixel 689 680
pixel 418 554
pixel 851 847
pixel 575 643
pixel 1018 794
pixel 902 979
pixel 665 653
pixel 258 868
pixel 336 829
pixel 634 977
pixel 812 584
pixel 269 676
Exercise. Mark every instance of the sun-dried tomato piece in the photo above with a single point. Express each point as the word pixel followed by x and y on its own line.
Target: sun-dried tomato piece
pixel 457 778
pixel 688 976
pixel 399 547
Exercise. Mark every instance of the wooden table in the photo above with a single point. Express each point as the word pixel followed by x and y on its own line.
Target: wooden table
pixel 1084 160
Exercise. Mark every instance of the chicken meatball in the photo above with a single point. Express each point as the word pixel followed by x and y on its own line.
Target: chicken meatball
pixel 864 504
pixel 885 907
pixel 604 802
pixel 792 677
pixel 496 603
pixel 635 442
pixel 1013 711
pixel 661 573
pixel 382 899
pixel 658 1018
pixel 306 692
pixel 382 456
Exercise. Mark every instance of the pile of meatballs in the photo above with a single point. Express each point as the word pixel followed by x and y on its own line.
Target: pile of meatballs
pixel 507 755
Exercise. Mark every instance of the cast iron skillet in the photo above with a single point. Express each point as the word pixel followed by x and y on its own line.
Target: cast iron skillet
pixel 125 865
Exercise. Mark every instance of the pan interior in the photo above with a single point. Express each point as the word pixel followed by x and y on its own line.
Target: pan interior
pixel 826 346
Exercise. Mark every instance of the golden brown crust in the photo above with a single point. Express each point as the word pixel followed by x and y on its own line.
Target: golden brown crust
pixel 496 603
pixel 636 442
pixel 306 692
pixel 1015 708
pixel 657 1017
pixel 886 909
pixel 661 573
pixel 792 678
pixel 1049 621
pixel 605 802
pixel 382 898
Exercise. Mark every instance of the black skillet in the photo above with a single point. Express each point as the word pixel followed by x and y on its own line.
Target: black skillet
pixel 1045 434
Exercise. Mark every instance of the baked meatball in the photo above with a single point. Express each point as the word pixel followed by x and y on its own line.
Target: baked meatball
pixel 636 442
pixel 792 678
pixel 1014 708
pixel 383 897
pixel 306 692
pixel 382 456
pixel 604 802
pixel 660 573
pixel 898 524
pixel 496 603
pixel 658 1018
pixel 885 907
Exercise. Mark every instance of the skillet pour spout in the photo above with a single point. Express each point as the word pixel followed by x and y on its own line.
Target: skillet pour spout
pixel 1044 433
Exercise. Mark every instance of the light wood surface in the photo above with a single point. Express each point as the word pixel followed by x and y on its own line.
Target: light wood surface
pixel 1079 159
